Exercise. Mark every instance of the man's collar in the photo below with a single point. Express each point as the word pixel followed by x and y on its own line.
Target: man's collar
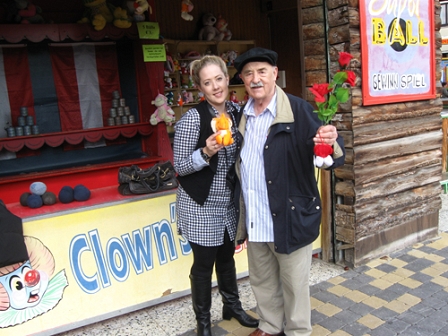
pixel 272 106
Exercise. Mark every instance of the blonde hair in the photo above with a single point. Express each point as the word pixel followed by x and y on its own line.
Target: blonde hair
pixel 197 65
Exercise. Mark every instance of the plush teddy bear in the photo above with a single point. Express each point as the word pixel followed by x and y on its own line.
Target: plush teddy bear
pixel 209 32
pixel 221 25
pixel 223 125
pixel 187 7
pixel 100 12
pixel 163 111
pixel 27 12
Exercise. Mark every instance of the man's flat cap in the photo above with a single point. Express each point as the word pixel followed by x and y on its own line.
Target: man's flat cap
pixel 255 55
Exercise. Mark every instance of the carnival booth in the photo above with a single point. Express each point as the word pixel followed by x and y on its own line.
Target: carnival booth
pixel 76 100
pixel 81 84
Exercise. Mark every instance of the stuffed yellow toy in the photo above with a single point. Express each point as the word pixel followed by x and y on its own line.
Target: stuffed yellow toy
pixel 223 125
pixel 99 12
pixel 121 18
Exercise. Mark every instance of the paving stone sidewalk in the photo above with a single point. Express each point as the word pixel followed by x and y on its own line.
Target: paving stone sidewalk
pixel 405 293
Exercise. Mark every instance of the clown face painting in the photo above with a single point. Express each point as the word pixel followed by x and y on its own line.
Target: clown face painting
pixel 24 286
pixel 27 289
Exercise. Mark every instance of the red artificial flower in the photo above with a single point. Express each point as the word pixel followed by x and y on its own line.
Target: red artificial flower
pixel 328 96
pixel 319 91
pixel 351 77
pixel 344 58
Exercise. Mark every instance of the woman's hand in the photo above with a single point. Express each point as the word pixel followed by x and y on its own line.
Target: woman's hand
pixel 211 146
pixel 326 134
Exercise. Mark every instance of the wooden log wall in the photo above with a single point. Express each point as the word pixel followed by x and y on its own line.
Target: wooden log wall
pixel 246 21
pixel 388 191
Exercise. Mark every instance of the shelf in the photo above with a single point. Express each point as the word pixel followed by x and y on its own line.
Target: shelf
pixel 34 142
pixel 178 49
pixel 15 33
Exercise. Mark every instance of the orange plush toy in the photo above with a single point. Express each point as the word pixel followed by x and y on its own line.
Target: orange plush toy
pixel 223 125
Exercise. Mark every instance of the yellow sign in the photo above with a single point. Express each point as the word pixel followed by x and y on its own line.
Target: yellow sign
pixel 154 53
pixel 148 30
pixel 445 41
pixel 99 263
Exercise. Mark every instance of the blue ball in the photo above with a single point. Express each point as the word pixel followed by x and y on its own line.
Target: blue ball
pixel 34 201
pixel 38 188
pixel 66 194
pixel 81 193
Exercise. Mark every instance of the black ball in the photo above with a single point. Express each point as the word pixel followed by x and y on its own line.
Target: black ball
pixel 66 194
pixel 23 198
pixel 81 193
pixel 49 198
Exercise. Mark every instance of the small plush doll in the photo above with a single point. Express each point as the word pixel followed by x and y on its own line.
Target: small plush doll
pixel 201 96
pixel 223 125
pixel 28 12
pixel 136 9
pixel 233 97
pixel 169 97
pixel 187 7
pixel 222 24
pixel 163 111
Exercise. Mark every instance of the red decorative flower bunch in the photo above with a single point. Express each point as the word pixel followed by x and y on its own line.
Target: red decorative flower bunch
pixel 335 90
pixel 337 93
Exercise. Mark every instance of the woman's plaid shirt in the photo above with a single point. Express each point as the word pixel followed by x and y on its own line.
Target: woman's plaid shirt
pixel 203 225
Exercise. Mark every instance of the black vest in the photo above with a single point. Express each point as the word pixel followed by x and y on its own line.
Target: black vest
pixel 197 185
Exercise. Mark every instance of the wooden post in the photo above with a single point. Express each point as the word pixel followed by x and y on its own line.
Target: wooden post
pixel 326 224
pixel 444 141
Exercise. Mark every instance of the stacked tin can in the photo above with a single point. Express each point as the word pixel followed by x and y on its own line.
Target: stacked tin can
pixel 25 125
pixel 119 113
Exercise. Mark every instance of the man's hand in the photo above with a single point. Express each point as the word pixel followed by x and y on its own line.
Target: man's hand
pixel 326 134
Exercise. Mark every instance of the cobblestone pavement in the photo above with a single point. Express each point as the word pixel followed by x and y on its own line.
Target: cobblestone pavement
pixel 404 293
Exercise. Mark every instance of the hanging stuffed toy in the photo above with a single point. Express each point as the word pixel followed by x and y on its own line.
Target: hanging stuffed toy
pixel 187 7
pixel 322 155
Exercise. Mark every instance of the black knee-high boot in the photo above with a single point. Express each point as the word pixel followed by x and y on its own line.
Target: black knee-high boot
pixel 228 288
pixel 201 295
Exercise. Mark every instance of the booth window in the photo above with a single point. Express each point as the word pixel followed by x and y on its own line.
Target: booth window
pixel 443 13
pixel 66 87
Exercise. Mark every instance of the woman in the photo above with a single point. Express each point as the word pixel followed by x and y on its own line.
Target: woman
pixel 206 214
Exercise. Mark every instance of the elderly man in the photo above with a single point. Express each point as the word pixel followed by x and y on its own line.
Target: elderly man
pixel 279 202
